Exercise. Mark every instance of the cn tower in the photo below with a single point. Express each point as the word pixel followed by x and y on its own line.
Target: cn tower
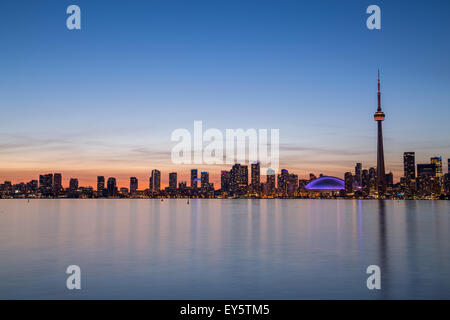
pixel 381 174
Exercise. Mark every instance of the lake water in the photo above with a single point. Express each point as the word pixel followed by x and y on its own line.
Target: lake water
pixel 224 249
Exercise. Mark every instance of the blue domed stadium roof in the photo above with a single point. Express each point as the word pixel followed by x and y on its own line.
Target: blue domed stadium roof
pixel 326 183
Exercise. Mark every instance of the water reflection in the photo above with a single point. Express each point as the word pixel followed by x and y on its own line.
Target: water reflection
pixel 224 249
pixel 383 247
pixel 411 240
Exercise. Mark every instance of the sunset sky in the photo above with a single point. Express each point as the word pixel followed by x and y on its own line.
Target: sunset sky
pixel 105 99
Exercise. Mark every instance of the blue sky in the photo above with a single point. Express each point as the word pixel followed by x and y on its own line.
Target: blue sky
pixel 105 99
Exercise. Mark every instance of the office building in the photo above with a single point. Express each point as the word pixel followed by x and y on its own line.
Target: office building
pixel 348 179
pixel 270 181
pixel 256 174
pixel 173 181
pixel 111 187
pixel 409 165
pixel 225 181
pixel 155 181
pixel 57 183
pixel 194 178
pixel 358 174
pixel 133 185
pixel 205 181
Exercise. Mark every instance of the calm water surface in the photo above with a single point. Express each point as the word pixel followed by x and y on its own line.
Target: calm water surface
pixel 223 249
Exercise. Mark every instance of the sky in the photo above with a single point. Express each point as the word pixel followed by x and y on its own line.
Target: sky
pixel 105 99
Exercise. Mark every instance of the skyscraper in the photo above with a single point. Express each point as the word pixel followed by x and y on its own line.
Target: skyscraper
pixel 365 184
pixel 155 181
pixel 57 183
pixel 244 179
pixel 111 187
pixel 447 178
pixel 348 178
pixel 283 180
pixel 270 180
pixel 256 175
pixel 46 184
pixel 205 180
pixel 358 174
pixel 100 185
pixel 438 174
pixel 379 117
pixel 239 178
pixel 437 161
pixel 194 173
pixel 173 180
pixel 235 176
pixel 225 181
pixel 292 184
pixel 372 180
pixel 133 185
pixel 409 165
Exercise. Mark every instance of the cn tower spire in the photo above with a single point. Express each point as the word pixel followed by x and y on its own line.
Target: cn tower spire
pixel 379 92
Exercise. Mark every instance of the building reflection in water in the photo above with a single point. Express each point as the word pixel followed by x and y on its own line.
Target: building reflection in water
pixel 382 249
pixel 410 214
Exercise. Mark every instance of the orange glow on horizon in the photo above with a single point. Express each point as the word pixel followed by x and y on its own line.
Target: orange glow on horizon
pixel 88 177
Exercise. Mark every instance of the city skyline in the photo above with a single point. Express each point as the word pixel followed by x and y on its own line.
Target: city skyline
pixel 373 182
pixel 88 177
pixel 76 103
pixel 156 180
pixel 412 173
